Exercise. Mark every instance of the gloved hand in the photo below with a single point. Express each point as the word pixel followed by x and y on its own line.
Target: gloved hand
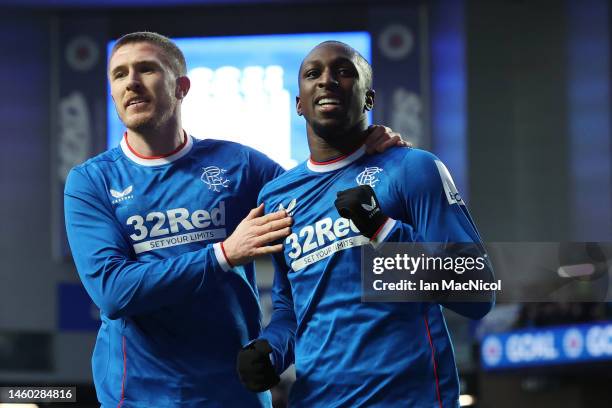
pixel 254 367
pixel 360 205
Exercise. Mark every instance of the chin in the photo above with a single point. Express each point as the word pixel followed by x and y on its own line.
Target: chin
pixel 140 123
pixel 329 129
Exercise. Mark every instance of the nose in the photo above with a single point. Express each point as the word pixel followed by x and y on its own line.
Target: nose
pixel 327 79
pixel 133 83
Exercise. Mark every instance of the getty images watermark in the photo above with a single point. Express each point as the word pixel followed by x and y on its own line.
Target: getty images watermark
pixel 512 272
pixel 406 264
pixel 427 272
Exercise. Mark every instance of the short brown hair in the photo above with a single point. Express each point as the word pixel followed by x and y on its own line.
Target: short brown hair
pixel 174 55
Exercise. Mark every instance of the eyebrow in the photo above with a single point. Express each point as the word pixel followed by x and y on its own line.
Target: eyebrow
pixel 137 64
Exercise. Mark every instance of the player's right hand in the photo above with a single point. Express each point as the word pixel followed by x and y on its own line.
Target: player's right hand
pixel 255 368
pixel 251 237
pixel 360 205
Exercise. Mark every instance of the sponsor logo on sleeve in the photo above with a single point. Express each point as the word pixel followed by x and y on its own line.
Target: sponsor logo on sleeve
pixel 452 194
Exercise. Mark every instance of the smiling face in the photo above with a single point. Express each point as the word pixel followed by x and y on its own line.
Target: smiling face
pixel 144 88
pixel 334 92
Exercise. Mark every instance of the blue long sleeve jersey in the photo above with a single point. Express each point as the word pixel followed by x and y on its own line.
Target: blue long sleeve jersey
pixel 174 313
pixel 349 353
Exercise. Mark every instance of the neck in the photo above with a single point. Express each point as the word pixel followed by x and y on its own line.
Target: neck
pixel 156 142
pixel 341 144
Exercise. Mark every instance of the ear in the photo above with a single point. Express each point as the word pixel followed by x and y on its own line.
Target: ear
pixel 369 100
pixel 182 87
pixel 298 105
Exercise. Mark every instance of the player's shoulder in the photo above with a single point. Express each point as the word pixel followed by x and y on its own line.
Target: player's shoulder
pixel 409 155
pixel 94 163
pixel 211 143
pixel 94 168
pixel 225 146
pixel 411 159
pixel 408 166
pixel 216 147
pixel 285 181
pixel 235 155
pixel 234 151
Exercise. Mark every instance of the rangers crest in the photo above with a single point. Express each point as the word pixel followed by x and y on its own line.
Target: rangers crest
pixel 368 176
pixel 213 177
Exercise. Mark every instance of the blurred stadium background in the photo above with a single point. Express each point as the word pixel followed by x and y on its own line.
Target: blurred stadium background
pixel 513 95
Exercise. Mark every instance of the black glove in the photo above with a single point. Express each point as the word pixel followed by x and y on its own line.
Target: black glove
pixel 360 205
pixel 255 368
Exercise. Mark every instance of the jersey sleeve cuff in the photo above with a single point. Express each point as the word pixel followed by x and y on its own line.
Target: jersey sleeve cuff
pixel 221 258
pixel 382 234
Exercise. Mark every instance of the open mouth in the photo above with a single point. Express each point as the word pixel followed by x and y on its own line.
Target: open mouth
pixel 329 104
pixel 136 102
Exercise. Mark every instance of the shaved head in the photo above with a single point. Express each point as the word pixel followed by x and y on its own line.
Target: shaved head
pixel 364 65
pixel 335 92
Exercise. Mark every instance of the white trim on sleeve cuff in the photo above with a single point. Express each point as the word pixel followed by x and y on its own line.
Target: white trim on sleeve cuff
pixel 383 233
pixel 221 257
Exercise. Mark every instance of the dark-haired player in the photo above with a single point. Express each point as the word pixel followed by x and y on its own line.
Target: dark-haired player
pixel 349 353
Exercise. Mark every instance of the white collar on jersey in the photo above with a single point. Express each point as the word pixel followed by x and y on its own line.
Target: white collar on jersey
pixel 156 161
pixel 337 163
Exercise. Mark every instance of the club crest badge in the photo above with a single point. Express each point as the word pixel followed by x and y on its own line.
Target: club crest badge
pixel 213 176
pixel 368 176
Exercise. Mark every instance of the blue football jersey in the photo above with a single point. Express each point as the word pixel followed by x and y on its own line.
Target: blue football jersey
pixel 145 235
pixel 349 353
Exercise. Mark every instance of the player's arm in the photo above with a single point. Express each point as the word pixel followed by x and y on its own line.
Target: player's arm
pixel 438 216
pixel 260 362
pixel 280 332
pixel 118 283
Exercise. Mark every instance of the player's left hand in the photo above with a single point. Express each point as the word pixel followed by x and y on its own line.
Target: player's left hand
pixel 360 205
pixel 255 369
pixel 380 138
